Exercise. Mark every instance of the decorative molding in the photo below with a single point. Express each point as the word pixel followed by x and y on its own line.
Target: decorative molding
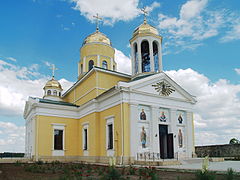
pixel 163 88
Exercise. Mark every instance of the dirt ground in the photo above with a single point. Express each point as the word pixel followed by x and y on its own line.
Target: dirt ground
pixel 60 171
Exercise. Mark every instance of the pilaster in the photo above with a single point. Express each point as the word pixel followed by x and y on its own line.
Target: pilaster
pixel 151 55
pixel 139 57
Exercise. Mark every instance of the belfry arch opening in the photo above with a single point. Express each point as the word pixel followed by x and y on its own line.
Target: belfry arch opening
pixel 155 56
pixel 145 56
pixel 90 65
pixel 136 57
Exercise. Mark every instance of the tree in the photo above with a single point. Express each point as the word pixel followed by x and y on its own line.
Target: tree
pixel 234 141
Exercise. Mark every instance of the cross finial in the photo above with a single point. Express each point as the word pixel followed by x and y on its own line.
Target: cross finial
pixel 145 12
pixel 97 21
pixel 53 68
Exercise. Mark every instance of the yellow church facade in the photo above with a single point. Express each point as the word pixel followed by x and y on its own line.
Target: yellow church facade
pixel 109 114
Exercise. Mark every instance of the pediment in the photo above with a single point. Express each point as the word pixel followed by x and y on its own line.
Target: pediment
pixel 160 85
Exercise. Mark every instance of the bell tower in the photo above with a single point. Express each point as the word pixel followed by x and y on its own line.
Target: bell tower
pixel 146 49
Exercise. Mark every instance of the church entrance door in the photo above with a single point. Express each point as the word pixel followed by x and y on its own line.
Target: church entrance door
pixel 165 142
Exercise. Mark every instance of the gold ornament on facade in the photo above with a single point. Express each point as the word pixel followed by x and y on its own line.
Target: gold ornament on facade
pixel 163 88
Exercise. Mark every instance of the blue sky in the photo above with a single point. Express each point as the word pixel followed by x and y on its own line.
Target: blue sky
pixel 201 40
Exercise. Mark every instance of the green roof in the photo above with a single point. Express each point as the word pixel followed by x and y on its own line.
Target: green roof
pixel 57 102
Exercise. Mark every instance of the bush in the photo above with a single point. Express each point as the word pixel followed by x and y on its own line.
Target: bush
pixel 113 174
pixel 205 175
pixel 230 174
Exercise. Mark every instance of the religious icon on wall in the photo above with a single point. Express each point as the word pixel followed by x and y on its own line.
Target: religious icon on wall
pixel 163 118
pixel 180 138
pixel 142 115
pixel 180 119
pixel 143 137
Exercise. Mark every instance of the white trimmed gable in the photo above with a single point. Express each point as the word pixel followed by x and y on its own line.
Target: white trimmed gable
pixel 150 85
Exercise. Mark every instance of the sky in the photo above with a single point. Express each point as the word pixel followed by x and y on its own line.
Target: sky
pixel 201 45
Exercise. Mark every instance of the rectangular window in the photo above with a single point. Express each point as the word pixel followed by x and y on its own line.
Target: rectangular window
pixel 58 139
pixel 85 147
pixel 110 136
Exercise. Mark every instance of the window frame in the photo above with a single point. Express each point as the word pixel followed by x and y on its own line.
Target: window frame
pixel 110 121
pixel 57 152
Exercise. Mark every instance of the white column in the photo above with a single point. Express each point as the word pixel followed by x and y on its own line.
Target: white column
pixel 160 56
pixel 189 135
pixel 173 129
pixel 98 61
pixel 133 59
pixel 151 55
pixel 155 130
pixel 111 65
pixel 139 57
pixel 84 64
pixel 134 129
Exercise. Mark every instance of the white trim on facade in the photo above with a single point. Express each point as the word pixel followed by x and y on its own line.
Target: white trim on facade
pixel 110 121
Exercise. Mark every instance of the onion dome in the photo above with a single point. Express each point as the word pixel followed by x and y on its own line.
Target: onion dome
pixel 97 37
pixel 53 90
pixel 145 28
pixel 53 84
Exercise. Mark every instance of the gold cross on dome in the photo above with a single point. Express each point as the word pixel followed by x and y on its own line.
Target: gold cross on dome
pixel 145 12
pixel 53 68
pixel 97 21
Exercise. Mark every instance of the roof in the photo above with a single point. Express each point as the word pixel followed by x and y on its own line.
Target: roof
pixel 56 102
pixel 89 72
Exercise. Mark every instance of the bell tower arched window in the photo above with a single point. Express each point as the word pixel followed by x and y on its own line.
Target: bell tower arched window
pixel 155 56
pixel 55 93
pixel 104 65
pixel 90 65
pixel 136 57
pixel 145 56
pixel 49 92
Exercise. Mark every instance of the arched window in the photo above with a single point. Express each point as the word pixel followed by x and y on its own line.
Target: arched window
pixel 60 94
pixel 90 65
pixel 145 56
pixel 155 56
pixel 136 57
pixel 49 92
pixel 114 68
pixel 81 68
pixel 104 64
pixel 55 92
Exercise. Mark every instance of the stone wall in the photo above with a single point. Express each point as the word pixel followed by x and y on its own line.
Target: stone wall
pixel 226 150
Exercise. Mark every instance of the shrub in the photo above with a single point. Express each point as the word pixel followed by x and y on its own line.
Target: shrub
pixel 230 174
pixel 204 175
pixel 39 162
pixel 131 170
pixel 113 174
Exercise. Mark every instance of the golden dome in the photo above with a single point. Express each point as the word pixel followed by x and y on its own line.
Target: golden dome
pixel 145 28
pixel 53 84
pixel 97 37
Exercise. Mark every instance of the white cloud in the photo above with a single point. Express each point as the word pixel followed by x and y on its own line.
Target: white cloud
pixel 197 22
pixel 237 70
pixel 192 8
pixel 12 59
pixel 17 83
pixel 123 62
pixel 217 117
pixel 232 34
pixel 12 137
pixel 111 11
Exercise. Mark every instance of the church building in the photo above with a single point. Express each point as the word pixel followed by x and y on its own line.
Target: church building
pixel 107 113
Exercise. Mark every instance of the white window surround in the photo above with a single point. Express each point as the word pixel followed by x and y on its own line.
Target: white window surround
pixel 85 126
pixel 109 120
pixel 56 126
